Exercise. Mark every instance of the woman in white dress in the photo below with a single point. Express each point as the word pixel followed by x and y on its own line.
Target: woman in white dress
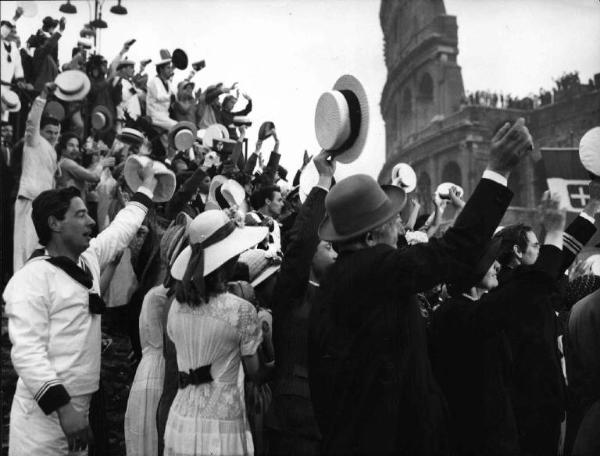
pixel 141 437
pixel 213 332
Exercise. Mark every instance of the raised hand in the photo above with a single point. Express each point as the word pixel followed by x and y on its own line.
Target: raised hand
pixel 326 167
pixel 61 24
pixel 552 216
pixel 455 198
pixel 508 146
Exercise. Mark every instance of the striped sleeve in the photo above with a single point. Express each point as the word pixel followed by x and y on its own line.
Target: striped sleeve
pixel 575 237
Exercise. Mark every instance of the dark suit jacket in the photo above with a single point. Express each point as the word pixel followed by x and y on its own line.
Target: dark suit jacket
pixel 369 370
pixel 538 393
pixel 471 360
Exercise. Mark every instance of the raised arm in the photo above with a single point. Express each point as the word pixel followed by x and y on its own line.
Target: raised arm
pixel 117 236
pixel 34 118
pixel 446 259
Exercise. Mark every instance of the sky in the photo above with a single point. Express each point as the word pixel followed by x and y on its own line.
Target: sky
pixel 285 53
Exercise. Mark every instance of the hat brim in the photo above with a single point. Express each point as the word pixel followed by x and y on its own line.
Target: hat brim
pixel 109 118
pixel 183 125
pixel 350 83
pixel 265 274
pixel 218 254
pixel 79 95
pixel 166 181
pixel 397 200
pixel 179 59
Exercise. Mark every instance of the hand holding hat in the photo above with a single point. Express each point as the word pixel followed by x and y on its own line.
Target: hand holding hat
pixel 49 88
pixel 325 167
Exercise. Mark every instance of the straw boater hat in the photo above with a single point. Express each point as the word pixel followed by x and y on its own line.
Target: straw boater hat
pixel 404 176
pixel 72 85
pixel 589 151
pixel 131 136
pixel 102 119
pixel 10 100
pixel 166 181
pixel 357 205
pixel 125 62
pixel 182 135
pixel 342 119
pixel 309 177
pixel 214 240
pixel 216 132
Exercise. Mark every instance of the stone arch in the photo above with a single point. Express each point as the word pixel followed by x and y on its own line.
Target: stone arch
pixel 426 86
pixel 452 173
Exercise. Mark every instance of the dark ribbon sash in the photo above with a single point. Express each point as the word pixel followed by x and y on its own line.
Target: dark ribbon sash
pixel 193 279
pixel 195 376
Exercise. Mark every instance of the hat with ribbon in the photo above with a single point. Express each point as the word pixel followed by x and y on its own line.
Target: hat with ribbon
pixel 125 62
pixel 165 57
pixel 102 119
pixel 165 178
pixel 342 119
pixel 356 205
pixel 404 176
pixel 72 85
pixel 131 136
pixel 10 100
pixel 443 190
pixel 214 239
pixel 182 135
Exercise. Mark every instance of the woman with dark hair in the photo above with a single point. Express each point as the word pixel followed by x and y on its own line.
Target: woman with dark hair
pixel 213 331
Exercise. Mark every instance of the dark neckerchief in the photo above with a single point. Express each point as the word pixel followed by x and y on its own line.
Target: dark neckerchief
pixel 82 276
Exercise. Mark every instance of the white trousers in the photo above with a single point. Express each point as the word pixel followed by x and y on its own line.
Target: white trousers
pixel 33 433
pixel 25 238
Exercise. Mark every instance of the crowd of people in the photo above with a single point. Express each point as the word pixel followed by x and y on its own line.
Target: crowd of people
pixel 265 320
pixel 566 83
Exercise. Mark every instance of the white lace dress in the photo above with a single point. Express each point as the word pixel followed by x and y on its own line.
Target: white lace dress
pixel 209 419
pixel 141 436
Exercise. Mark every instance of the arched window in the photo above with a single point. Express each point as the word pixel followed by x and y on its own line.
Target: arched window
pixel 426 86
pixel 452 173
pixel 406 102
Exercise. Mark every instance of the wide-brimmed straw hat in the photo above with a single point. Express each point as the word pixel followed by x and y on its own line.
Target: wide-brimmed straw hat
pixel 165 178
pixel 165 57
pixel 125 62
pixel 356 205
pixel 342 119
pixel 404 176
pixel 102 119
pixel 182 135
pixel 10 100
pixel 219 239
pixel 72 85
pixel 589 151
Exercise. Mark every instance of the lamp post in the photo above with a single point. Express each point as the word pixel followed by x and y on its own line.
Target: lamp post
pixel 97 23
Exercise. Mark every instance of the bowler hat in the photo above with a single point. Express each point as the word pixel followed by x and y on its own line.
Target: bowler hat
pixel 356 205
